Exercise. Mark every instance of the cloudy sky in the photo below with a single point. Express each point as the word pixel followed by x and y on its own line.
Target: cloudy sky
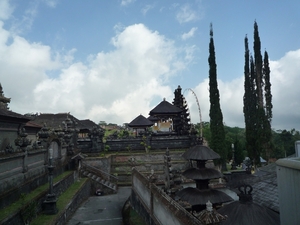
pixel 114 60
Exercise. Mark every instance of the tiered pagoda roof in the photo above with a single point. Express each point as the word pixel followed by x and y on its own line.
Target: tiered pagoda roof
pixel 140 122
pixel 199 196
pixel 165 108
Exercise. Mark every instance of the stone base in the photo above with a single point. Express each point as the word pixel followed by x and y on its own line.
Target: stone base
pixel 50 205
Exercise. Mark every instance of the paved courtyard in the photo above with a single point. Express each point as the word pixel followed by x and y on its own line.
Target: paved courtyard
pixel 104 210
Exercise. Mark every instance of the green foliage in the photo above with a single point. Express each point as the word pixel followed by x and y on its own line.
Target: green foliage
pixel 128 148
pixel 257 101
pixel 63 200
pixel 27 198
pixel 28 212
pixel 217 142
pixel 284 143
pixel 144 143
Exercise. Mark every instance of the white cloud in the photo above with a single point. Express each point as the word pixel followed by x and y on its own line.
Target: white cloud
pixel 51 3
pixel 25 24
pixel 189 34
pixel 126 2
pixel 114 86
pixel 231 101
pixel 5 9
pixel 146 9
pixel 285 91
pixel 187 14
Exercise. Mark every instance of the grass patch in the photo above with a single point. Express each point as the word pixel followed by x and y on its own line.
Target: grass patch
pixel 135 218
pixel 27 198
pixel 63 200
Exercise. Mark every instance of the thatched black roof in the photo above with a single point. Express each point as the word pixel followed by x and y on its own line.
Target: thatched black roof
pixel 248 214
pixel 202 174
pixel 165 108
pixel 195 196
pixel 6 114
pixel 55 121
pixel 86 124
pixel 153 118
pixel 140 122
pixel 200 152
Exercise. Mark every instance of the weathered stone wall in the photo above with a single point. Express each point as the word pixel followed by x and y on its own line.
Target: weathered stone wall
pixel 155 206
pixel 8 134
pixel 58 189
pixel 24 171
pixel 80 196
pixel 124 144
pixel 103 163
pixel 138 143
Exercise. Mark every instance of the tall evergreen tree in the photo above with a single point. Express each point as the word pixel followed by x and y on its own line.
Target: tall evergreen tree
pixel 249 102
pixel 268 108
pixel 216 117
pixel 257 101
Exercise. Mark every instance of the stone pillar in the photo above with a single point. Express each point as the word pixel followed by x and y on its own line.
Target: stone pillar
pixel 50 202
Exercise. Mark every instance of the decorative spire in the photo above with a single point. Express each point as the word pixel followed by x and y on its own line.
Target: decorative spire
pixel 245 195
pixel 209 215
pixel 3 100
pixel 209 207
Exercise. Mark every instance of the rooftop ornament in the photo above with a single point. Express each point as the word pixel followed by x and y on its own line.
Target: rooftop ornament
pixel 210 215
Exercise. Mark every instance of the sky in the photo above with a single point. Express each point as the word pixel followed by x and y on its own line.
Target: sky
pixel 114 60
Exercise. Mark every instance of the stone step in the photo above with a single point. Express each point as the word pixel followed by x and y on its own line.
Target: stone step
pixel 85 173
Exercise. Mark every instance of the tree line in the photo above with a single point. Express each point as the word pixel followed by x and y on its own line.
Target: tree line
pixel 283 142
pixel 258 140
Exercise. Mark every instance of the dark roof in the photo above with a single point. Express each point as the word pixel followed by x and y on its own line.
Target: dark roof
pixel 153 118
pixel 200 152
pixel 7 114
pixel 246 212
pixel 202 174
pixel 195 196
pixel 264 183
pixel 165 108
pixel 33 124
pixel 54 120
pixel 265 187
pixel 86 124
pixel 140 121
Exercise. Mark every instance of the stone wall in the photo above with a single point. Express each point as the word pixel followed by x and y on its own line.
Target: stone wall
pixel 138 143
pixel 24 171
pixel 8 135
pixel 58 189
pixel 155 206
pixel 80 196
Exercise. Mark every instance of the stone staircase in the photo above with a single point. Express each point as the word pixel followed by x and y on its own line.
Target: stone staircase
pixel 106 181
pixel 100 180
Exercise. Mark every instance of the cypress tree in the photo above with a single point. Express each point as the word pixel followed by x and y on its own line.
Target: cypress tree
pixel 268 107
pixel 216 117
pixel 258 65
pixel 249 102
pixel 257 101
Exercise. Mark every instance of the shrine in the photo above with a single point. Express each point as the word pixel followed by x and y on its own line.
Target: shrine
pixel 199 172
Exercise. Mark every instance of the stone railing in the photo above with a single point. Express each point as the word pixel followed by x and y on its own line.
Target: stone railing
pixel 155 206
